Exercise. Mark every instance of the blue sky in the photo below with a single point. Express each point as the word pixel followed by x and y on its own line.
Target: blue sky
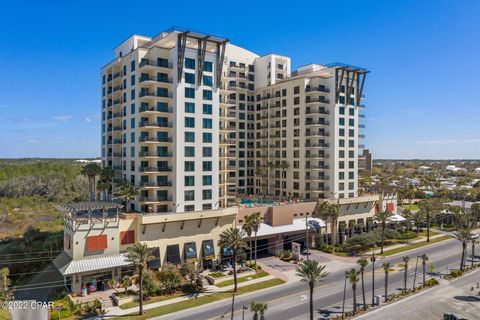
pixel 423 55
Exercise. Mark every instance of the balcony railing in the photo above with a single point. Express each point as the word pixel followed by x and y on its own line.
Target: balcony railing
pixel 156 183
pixel 317 111
pixel 317 101
pixel 154 94
pixel 154 199
pixel 155 124
pixel 317 123
pixel 154 169
pixel 147 62
pixel 154 154
pixel 317 89
pixel 155 139
pixel 156 79
pixel 155 109
pixel 317 134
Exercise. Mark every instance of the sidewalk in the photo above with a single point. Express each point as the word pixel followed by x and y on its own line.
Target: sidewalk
pixel 117 311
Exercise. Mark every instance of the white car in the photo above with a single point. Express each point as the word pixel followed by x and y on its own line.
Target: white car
pixel 473 235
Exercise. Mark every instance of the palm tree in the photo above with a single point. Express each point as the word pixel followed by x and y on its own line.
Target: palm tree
pixel 334 212
pixel 270 166
pixel 127 192
pixel 417 217
pixel 247 227
pixel 323 213
pixel 475 212
pixel 463 236
pixel 232 238
pixel 362 262
pixel 91 170
pixel 386 269
pixel 255 221
pixel 424 258
pixel 311 271
pixel 106 176
pixel 353 277
pixel 382 217
pixel 258 308
pixel 405 260
pixel 102 187
pixel 473 251
pixel 139 254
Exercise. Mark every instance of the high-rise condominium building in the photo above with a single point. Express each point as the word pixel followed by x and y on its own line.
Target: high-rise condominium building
pixel 195 121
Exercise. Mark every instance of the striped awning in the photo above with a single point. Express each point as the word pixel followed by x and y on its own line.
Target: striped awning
pixel 90 264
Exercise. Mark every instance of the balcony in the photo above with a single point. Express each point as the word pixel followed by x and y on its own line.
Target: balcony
pixel 317 178
pixel 154 199
pixel 317 134
pixel 155 140
pixel 145 79
pixel 324 101
pixel 228 101
pixel 114 154
pixel 146 63
pixel 146 154
pixel 151 124
pixel 114 141
pixel 151 109
pixel 114 115
pixel 114 128
pixel 154 95
pixel 310 167
pixel 228 141
pixel 317 123
pixel 316 155
pixel 317 145
pixel 155 184
pixel 154 169
pixel 317 89
pixel 317 111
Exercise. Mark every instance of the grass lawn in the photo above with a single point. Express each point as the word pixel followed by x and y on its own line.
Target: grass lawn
pixel 415 245
pixel 152 300
pixel 4 314
pixel 179 306
pixel 257 275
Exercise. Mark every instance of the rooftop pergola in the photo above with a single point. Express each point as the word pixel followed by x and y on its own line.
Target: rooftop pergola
pixel 96 212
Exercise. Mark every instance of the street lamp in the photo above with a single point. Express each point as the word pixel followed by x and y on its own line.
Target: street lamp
pixel 243 312
pixel 344 291
pixel 373 259
pixel 415 277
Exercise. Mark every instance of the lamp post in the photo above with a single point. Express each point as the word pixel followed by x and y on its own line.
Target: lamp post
pixel 233 305
pixel 344 291
pixel 243 312
pixel 415 277
pixel 373 259
pixel 306 229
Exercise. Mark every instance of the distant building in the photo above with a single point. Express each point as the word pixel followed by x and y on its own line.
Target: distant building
pixel 365 163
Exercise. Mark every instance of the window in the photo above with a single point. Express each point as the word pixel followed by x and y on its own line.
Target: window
pixel 189 107
pixel 351 111
pixel 189 166
pixel 190 78
pixel 132 108
pixel 207 123
pixel 207 180
pixel 351 143
pixel 189 151
pixel 189 195
pixel 189 208
pixel 127 237
pixel 296 90
pixel 207 151
pixel 207 165
pixel 351 133
pixel 207 206
pixel 341 110
pixel 341 175
pixel 341 121
pixel 207 194
pixel 341 186
pixel 190 93
pixel 132 80
pixel 189 136
pixel 132 123
pixel 341 143
pixel 207 109
pixel 351 175
pixel 207 66
pixel 132 66
pixel 189 63
pixel 189 122
pixel 351 186
pixel 96 243
pixel 296 100
pixel 189 181
pixel 351 164
pixel 207 81
pixel 351 122
pixel 132 94
pixel 207 95
pixel 207 137
pixel 132 137
pixel 341 154
pixel 341 165
pixel 341 132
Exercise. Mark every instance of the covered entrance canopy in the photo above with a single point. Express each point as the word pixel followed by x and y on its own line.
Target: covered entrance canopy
pixel 67 266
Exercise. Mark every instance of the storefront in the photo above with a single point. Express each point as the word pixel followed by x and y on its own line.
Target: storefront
pixel 208 254
pixel 190 252
pixel 154 263
pixel 173 254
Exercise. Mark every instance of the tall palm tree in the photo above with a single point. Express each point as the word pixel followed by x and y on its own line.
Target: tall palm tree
pixel 255 221
pixel 417 217
pixel 405 260
pixel 386 269
pixel 258 308
pixel 323 212
pixel 474 241
pixel 284 166
pixel 127 192
pixel 232 238
pixel 424 258
pixel 334 213
pixel 270 166
pixel 106 176
pixel 102 187
pixel 247 227
pixel 139 254
pixel 353 277
pixel 362 262
pixel 463 235
pixel 311 271
pixel 91 170
pixel 382 217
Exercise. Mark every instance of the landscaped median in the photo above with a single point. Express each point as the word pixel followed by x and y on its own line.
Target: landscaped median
pixel 415 245
pixel 201 300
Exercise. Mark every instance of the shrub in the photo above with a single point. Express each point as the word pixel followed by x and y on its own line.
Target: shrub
pixel 151 283
pixel 454 273
pixel 431 282
pixel 217 274
pixel 170 279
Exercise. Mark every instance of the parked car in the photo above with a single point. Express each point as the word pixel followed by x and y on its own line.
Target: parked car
pixel 473 235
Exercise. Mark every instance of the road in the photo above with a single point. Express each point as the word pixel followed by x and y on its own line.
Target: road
pixel 290 301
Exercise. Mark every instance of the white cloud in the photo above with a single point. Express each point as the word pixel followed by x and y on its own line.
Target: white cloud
pixel 448 141
pixel 63 118
pixel 88 119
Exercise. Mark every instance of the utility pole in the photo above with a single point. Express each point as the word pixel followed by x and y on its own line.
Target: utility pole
pixel 415 277
pixel 233 304
pixel 306 228
pixel 243 312
pixel 372 259
pixel 344 292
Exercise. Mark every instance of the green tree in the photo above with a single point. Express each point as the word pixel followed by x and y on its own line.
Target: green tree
pixel 363 263
pixel 255 220
pixel 311 271
pixel 91 170
pixel 353 277
pixel 382 217
pixel 233 238
pixel 258 308
pixel 170 278
pixel 127 192
pixel 405 273
pixel 139 254
pixel 386 269
pixel 424 258
pixel 334 213
pixel 323 212
pixel 247 227
pixel 475 212
pixel 463 235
